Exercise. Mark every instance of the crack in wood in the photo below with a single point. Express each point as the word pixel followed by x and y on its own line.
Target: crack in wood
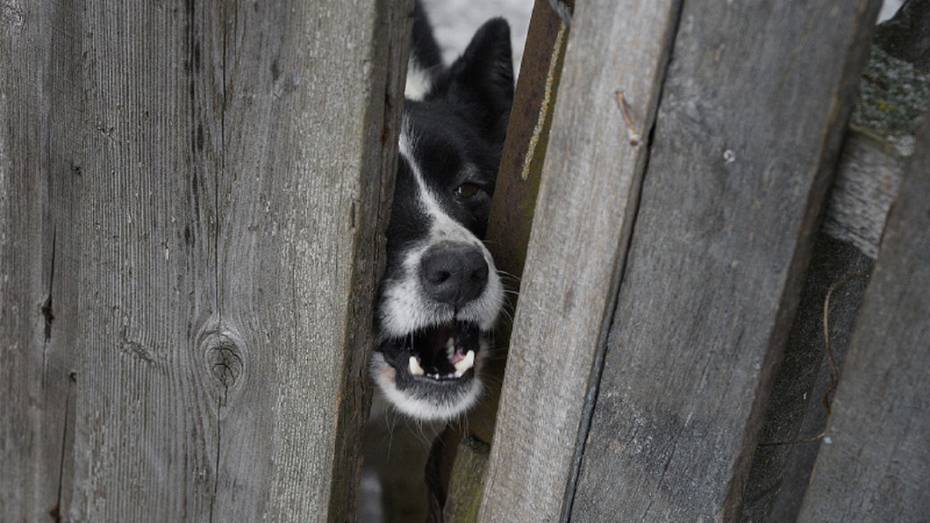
pixel 55 512
pixel 225 358
pixel 216 465
pixel 47 305
pixel 597 371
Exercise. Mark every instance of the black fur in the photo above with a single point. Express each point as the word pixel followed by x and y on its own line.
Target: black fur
pixel 462 120
pixel 458 132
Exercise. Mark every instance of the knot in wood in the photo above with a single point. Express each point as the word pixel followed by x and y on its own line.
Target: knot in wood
pixel 224 359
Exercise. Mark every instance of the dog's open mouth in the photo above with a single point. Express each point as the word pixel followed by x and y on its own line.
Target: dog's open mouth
pixel 443 352
pixel 433 372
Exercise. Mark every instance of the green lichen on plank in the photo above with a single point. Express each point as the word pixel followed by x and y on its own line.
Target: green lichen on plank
pixel 893 96
pixel 467 482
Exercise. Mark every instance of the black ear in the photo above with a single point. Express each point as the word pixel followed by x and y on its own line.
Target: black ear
pixel 481 80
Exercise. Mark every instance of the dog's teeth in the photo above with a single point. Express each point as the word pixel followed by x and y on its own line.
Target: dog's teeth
pixel 464 364
pixel 415 368
pixel 450 348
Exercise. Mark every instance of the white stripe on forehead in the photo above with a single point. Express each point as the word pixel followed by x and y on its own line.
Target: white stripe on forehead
pixel 443 226
pixel 405 308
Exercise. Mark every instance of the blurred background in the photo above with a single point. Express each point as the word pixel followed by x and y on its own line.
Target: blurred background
pixel 455 21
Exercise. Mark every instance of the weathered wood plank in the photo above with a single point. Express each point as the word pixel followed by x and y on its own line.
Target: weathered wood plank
pixel 805 382
pixel 589 183
pixel 876 453
pixel 507 238
pixel 195 193
pixel 300 244
pixel 878 143
pixel 39 46
pixel 144 427
pixel 471 464
pixel 736 180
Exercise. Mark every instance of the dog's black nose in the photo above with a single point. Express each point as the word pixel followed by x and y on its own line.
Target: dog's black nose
pixel 453 273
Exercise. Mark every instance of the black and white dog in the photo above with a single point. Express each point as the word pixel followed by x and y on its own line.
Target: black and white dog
pixel 441 294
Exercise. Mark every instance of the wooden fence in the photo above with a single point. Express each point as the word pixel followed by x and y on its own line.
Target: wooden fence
pixel 192 205
pixel 192 201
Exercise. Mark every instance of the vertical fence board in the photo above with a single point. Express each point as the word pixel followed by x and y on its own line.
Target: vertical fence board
pixel 39 47
pixel 144 427
pixel 508 235
pixel 879 141
pixel 789 436
pixel 518 178
pixel 874 460
pixel 736 179
pixel 192 205
pixel 583 217
pixel 22 255
pixel 299 210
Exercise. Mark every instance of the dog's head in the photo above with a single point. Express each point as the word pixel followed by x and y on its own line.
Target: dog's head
pixel 441 294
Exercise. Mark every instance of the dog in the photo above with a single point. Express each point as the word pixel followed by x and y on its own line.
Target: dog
pixel 441 294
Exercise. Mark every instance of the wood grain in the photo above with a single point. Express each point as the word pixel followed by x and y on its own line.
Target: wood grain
pixel 805 382
pixel 873 462
pixel 508 235
pixel 879 140
pixel 38 188
pixel 586 204
pixel 232 165
pixel 718 254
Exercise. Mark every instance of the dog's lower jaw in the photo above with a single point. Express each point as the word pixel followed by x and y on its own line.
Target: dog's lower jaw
pixel 425 407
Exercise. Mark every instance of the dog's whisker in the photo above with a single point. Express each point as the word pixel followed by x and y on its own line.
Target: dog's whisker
pixel 504 273
pixel 391 419
pixel 507 314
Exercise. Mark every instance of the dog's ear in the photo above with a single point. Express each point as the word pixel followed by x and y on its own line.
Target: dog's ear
pixel 481 80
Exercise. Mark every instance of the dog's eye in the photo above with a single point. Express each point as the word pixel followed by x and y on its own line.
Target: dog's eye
pixel 467 190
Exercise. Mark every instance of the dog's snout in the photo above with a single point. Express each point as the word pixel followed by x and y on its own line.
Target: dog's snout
pixel 453 273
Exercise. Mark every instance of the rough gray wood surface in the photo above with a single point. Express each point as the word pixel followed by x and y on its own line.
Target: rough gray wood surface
pixel 508 234
pixel 38 184
pixel 875 457
pixel 232 165
pixel 737 176
pixel 584 213
pixel 805 382
pixel 878 143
